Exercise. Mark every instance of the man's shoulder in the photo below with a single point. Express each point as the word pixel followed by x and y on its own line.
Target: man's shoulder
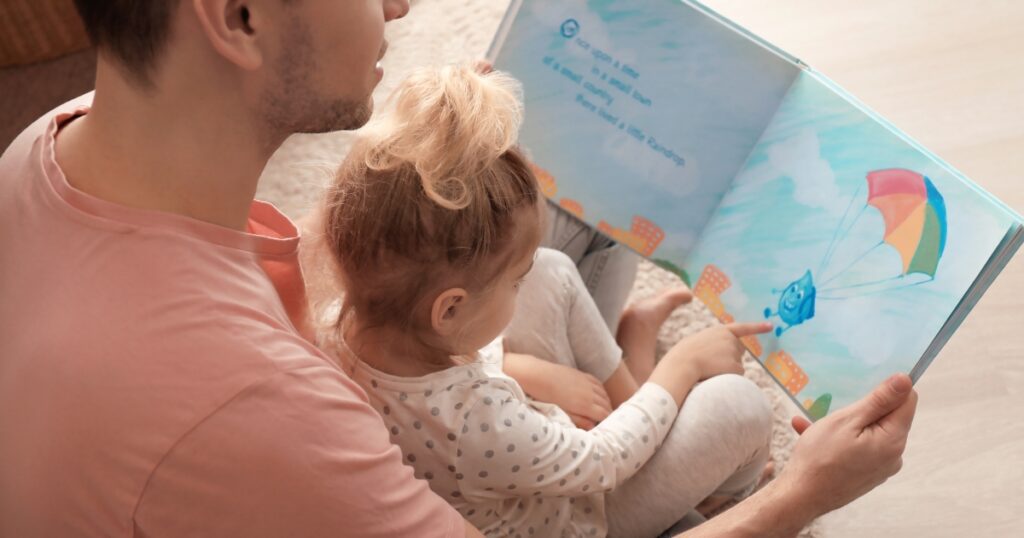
pixel 22 143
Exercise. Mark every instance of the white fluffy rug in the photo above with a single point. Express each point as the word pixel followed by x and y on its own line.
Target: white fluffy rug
pixel 448 31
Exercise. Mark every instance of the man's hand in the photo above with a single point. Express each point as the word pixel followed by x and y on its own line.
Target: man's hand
pixel 836 460
pixel 579 394
pixel 853 450
pixel 483 67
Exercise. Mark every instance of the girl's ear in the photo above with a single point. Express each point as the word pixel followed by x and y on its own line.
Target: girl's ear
pixel 446 311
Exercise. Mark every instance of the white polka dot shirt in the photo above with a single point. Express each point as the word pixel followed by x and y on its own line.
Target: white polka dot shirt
pixel 513 466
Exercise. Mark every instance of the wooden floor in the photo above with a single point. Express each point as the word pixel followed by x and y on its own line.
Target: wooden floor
pixel 951 75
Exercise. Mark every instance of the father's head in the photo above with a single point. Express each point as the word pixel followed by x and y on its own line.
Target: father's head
pixel 295 65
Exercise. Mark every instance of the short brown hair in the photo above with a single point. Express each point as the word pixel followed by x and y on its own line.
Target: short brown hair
pixel 432 194
pixel 131 31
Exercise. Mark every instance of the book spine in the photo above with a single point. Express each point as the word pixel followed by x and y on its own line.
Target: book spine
pixel 503 28
pixel 852 100
pixel 732 25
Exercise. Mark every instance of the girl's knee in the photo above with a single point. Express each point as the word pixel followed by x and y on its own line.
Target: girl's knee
pixel 554 270
pixel 737 400
pixel 553 260
pixel 548 275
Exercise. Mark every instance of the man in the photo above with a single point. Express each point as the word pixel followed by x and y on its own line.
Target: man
pixel 152 381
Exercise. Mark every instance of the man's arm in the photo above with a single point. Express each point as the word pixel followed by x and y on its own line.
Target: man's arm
pixel 299 454
pixel 772 512
pixel 836 460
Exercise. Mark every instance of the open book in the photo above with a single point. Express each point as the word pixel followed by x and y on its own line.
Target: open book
pixel 766 187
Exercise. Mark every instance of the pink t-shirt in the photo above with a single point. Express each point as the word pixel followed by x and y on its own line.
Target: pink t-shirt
pixel 153 384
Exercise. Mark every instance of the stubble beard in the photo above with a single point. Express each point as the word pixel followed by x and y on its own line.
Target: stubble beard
pixel 293 104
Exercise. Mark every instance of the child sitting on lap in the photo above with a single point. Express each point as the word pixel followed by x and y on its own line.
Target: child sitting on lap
pixel 434 223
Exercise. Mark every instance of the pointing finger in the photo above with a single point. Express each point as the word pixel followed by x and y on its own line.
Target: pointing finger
pixel 748 329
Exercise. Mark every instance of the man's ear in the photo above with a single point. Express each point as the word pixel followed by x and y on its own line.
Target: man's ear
pixel 445 312
pixel 231 26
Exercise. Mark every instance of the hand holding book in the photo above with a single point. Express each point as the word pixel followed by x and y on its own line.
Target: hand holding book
pixel 836 460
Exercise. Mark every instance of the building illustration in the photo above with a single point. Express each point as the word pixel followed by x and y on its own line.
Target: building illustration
pixel 710 286
pixel 548 187
pixel 572 206
pixel 786 371
pixel 644 236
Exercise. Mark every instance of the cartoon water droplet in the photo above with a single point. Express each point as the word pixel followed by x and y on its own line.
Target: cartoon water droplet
pixel 796 305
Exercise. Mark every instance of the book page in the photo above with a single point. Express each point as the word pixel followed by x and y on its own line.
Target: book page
pixel 857 245
pixel 639 114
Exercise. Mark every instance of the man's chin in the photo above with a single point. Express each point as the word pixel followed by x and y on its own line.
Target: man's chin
pixel 362 117
pixel 344 116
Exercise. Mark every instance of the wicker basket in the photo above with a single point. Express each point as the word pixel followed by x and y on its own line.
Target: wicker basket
pixel 37 30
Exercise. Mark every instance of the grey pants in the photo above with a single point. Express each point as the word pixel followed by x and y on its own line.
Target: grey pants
pixel 719 443
pixel 607 268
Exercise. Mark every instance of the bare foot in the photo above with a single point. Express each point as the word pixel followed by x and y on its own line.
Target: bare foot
pixel 711 506
pixel 638 329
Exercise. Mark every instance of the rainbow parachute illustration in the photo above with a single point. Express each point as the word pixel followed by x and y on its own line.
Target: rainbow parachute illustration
pixel 914 214
pixel 915 217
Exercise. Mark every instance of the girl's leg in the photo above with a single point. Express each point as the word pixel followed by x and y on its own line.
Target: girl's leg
pixel 719 445
pixel 607 269
pixel 557 320
pixel 639 327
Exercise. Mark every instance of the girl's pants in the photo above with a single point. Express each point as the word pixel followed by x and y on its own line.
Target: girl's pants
pixel 719 443
pixel 607 268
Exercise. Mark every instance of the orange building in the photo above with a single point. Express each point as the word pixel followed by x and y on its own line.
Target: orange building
pixel 710 285
pixel 629 239
pixel 644 237
pixel 621 236
pixel 713 279
pixel 649 233
pixel 572 206
pixel 712 301
pixel 787 371
pixel 753 345
pixel 546 180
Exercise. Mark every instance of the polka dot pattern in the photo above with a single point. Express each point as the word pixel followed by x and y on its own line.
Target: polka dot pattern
pixel 508 467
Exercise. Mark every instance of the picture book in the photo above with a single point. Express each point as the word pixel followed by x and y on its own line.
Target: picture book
pixel 773 193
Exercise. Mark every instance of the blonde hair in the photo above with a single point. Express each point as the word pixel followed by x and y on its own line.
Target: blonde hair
pixel 431 194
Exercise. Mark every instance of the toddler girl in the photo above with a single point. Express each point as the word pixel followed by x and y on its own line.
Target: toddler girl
pixel 434 223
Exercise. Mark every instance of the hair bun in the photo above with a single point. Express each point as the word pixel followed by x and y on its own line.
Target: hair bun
pixel 450 124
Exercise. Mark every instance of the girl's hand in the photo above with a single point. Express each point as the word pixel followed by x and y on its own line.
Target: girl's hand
pixel 711 352
pixel 717 350
pixel 579 394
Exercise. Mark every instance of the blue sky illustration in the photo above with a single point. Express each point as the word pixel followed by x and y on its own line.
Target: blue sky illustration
pixel 774 158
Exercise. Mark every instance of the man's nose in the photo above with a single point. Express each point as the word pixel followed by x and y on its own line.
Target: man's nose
pixel 395 9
